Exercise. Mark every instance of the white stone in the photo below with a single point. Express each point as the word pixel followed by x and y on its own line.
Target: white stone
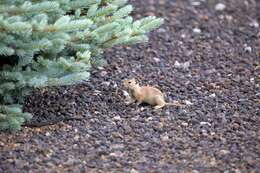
pixel 224 152
pixel 254 24
pixel 183 36
pixel 125 93
pixel 184 124
pixel 196 30
pixel 161 30
pixel 205 123
pixel 195 171
pixel 149 119
pixel 177 64
pixel 133 171
pixel 106 83
pixel 156 59
pixel 47 134
pixel 212 95
pixel 117 154
pixel 248 48
pixel 115 85
pixel 103 73
pixel 204 132
pixel 229 18
pixel 184 65
pixel 117 146
pixel 220 7
pixel 195 3
pixel 187 102
pixel 117 118
pixel 165 138
pixel 76 137
pixel 142 108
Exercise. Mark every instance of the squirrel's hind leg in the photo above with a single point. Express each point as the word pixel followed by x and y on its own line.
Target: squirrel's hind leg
pixel 160 103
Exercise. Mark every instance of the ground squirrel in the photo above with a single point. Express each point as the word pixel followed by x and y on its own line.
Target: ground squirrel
pixel 146 94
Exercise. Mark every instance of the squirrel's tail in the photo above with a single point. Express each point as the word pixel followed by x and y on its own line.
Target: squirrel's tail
pixel 175 103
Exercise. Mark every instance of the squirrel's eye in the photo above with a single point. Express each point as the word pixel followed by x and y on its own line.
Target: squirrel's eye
pixel 129 82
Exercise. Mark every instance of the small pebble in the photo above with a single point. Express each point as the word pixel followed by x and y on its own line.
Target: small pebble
pixel 197 30
pixel 115 85
pixel 183 35
pixel 204 132
pixel 125 93
pixel 105 83
pixel 117 146
pixel 177 64
pixel 76 137
pixel 2 144
pixel 195 3
pixel 229 18
pixel 116 154
pixel 221 17
pixel 184 124
pixel 117 118
pixel 103 73
pixel 149 119
pixel 187 102
pixel 220 7
pixel 224 152
pixel 156 59
pixel 212 133
pixel 161 30
pixel 184 65
pixel 247 48
pixel 212 95
pixel 133 171
pixel 237 171
pixel 37 159
pixel 195 171
pixel 47 134
pixel 165 138
pixel 205 123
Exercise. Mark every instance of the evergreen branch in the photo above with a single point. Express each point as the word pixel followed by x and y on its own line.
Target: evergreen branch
pixel 28 8
pixel 82 3
pixel 42 46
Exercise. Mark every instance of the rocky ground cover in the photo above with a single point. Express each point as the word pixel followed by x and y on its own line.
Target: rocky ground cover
pixel 206 56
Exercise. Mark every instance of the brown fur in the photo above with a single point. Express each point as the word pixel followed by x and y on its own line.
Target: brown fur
pixel 146 94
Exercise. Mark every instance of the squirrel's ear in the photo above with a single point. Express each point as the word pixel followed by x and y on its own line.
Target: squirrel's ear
pixel 132 80
pixel 137 81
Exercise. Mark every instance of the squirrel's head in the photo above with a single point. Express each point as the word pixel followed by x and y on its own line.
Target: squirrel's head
pixel 130 83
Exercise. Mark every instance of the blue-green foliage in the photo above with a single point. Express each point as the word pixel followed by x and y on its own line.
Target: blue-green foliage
pixel 53 43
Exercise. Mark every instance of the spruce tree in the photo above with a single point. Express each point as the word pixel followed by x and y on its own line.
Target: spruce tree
pixel 54 43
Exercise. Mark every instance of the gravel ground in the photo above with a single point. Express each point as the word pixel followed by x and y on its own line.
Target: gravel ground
pixel 205 56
